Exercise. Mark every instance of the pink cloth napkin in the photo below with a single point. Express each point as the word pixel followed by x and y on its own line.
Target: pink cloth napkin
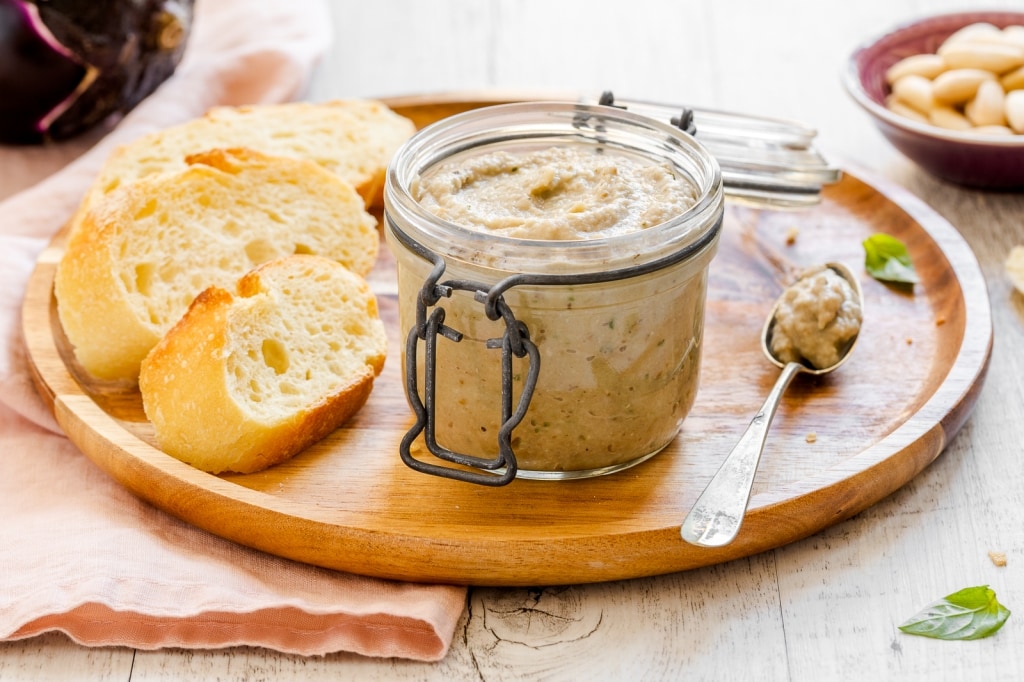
pixel 81 555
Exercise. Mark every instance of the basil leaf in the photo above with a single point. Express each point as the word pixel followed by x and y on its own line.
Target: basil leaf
pixel 886 258
pixel 971 613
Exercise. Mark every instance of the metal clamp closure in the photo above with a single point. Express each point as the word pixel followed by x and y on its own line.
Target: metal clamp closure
pixel 514 342
pixel 684 121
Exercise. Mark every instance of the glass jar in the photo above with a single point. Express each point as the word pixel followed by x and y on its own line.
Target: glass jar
pixel 541 358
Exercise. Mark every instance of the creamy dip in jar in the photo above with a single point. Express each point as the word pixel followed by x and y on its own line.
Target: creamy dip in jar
pixel 594 228
pixel 816 318
pixel 564 192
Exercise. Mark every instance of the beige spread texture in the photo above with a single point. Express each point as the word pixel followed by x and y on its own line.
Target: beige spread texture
pixel 245 381
pixel 141 255
pixel 816 319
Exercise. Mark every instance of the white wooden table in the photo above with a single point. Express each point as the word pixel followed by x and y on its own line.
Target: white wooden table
pixel 826 608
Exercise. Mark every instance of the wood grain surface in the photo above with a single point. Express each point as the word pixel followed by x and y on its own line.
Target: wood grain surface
pixel 349 503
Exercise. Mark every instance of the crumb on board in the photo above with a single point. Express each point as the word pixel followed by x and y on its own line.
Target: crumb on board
pixel 791 235
pixel 939 321
pixel 811 437
pixel 909 341
pixel 998 558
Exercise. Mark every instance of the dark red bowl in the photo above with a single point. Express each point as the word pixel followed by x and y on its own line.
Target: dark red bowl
pixel 988 162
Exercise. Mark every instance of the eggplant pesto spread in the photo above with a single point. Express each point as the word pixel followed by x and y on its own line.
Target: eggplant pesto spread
pixel 817 317
pixel 555 193
pixel 618 372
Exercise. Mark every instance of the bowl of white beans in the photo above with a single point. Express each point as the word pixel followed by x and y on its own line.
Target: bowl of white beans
pixel 948 92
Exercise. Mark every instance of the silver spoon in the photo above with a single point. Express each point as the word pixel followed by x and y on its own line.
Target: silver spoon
pixel 716 517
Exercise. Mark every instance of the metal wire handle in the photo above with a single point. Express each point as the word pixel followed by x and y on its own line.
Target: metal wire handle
pixel 515 342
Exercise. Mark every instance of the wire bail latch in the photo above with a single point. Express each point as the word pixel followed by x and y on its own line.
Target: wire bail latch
pixel 514 342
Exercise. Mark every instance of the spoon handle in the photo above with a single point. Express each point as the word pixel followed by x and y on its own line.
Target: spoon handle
pixel 716 517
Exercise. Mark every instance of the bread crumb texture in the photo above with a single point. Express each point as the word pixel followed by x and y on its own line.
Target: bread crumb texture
pixel 145 252
pixel 249 379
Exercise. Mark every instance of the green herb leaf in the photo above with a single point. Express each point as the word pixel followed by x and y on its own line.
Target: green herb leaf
pixel 971 613
pixel 886 258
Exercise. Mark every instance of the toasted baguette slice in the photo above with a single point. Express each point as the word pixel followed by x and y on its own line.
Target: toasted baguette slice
pixel 244 382
pixel 355 139
pixel 141 255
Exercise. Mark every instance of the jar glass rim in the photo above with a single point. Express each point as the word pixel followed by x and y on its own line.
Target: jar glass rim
pixel 527 123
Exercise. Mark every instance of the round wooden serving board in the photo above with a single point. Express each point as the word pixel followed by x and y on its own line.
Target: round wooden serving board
pixel 349 503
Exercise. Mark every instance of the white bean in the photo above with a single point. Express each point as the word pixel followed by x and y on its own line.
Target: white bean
pixel 898 107
pixel 1015 110
pixel 978 31
pixel 959 85
pixel 995 57
pixel 915 92
pixel 988 106
pixel 1014 35
pixel 949 118
pixel 1013 80
pixel 925 65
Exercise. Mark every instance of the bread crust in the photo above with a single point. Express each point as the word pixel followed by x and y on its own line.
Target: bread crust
pixel 93 306
pixel 352 138
pixel 197 411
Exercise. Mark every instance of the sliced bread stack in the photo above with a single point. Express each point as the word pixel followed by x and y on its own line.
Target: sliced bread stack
pixel 142 255
pixel 231 251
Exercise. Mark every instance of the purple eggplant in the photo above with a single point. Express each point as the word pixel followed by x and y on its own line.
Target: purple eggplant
pixel 67 65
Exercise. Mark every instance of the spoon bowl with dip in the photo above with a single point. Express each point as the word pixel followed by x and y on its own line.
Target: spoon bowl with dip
pixel 812 328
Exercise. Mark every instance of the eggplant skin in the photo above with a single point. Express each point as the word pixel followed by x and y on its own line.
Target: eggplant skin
pixel 127 47
pixel 35 78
